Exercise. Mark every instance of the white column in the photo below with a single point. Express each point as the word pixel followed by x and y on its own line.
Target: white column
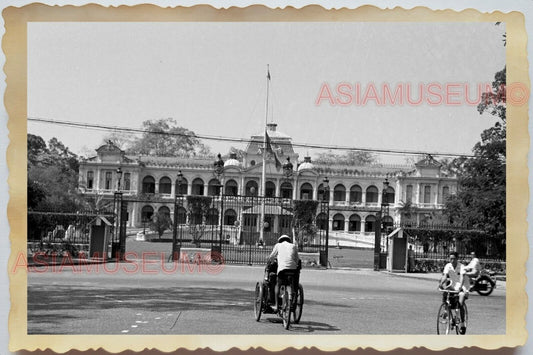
pixel 241 186
pixel 278 187
pixel 417 193
pixel 346 223
pixel 189 188
pixel 206 187
pixel 173 189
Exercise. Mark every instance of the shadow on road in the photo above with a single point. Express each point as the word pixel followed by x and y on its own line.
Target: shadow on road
pixel 60 299
pixel 306 327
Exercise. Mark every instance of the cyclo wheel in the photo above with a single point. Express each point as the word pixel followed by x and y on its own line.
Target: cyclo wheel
pixel 258 300
pixel 285 308
pixel 299 305
pixel 444 318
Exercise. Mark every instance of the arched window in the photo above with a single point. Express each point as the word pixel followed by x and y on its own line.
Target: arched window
pixel 249 185
pixel 197 187
pixel 355 223
pixel 427 194
pixel 148 185
pixel 270 189
pixel 147 213
pixel 181 187
pixel 286 190
pixel 90 179
pixel 213 188
pixel 370 221
pixel 230 216
pixel 232 189
pixel 356 194
pixel 409 193
pixel 164 210
pixel 339 193
pixel 212 217
pixel 127 181
pixel 372 194
pixel 181 215
pixel 389 195
pixel 445 193
pixel 306 191
pixel 165 185
pixel 338 222
pixel 322 221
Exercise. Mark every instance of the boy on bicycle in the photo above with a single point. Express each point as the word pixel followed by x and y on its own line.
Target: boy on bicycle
pixel 289 263
pixel 453 278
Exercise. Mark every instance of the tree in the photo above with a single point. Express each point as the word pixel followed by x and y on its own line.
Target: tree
pixel 480 199
pixel 52 176
pixel 353 158
pixel 123 140
pixel 164 137
pixel 160 223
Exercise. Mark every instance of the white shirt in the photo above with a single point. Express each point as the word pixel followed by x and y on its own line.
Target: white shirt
pixel 474 264
pixel 454 275
pixel 287 255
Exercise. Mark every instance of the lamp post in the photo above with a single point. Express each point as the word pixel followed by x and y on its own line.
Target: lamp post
pixel 383 212
pixel 119 247
pixel 252 192
pixel 119 175
pixel 218 171
pixel 175 250
pixel 325 197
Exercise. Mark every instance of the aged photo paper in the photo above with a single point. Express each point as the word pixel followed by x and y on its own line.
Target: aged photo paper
pixel 334 80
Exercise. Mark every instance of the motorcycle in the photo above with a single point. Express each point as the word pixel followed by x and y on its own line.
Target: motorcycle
pixel 485 283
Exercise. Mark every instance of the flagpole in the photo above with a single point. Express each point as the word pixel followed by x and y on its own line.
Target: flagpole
pixel 263 173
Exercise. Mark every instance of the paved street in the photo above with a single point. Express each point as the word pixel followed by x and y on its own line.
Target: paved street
pixel 132 298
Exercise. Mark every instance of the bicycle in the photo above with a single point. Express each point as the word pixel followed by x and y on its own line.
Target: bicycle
pixel 449 317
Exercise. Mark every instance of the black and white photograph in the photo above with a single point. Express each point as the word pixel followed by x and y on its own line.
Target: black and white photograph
pixel 267 178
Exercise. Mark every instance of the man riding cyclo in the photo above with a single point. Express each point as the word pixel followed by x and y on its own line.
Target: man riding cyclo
pixel 454 278
pixel 285 254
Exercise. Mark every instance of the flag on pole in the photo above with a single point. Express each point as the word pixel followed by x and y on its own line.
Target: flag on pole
pixel 268 74
pixel 271 151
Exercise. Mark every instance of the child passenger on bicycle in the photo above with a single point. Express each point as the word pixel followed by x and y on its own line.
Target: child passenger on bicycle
pixel 289 265
pixel 454 279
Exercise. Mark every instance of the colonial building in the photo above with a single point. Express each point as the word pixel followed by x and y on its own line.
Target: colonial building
pixel 355 194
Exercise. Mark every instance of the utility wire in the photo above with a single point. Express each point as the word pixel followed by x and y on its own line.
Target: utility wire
pixel 242 140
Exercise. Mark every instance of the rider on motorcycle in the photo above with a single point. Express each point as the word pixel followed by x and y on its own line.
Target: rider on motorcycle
pixel 474 267
pixel 289 264
pixel 453 278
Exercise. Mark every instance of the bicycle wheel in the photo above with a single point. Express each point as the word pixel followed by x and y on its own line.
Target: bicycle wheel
pixel 298 307
pixel 444 318
pixel 258 300
pixel 286 308
pixel 466 316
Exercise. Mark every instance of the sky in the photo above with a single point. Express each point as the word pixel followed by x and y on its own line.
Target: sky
pixel 211 78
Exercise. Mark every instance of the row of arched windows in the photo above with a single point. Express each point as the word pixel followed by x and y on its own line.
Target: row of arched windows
pixel 354 222
pixel 230 216
pixel 231 188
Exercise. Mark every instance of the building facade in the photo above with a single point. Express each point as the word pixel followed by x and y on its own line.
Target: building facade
pixel 355 193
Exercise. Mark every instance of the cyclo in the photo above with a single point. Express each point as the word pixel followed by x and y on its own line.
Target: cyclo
pixel 291 303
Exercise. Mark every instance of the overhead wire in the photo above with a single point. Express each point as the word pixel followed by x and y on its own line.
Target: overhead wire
pixel 243 140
